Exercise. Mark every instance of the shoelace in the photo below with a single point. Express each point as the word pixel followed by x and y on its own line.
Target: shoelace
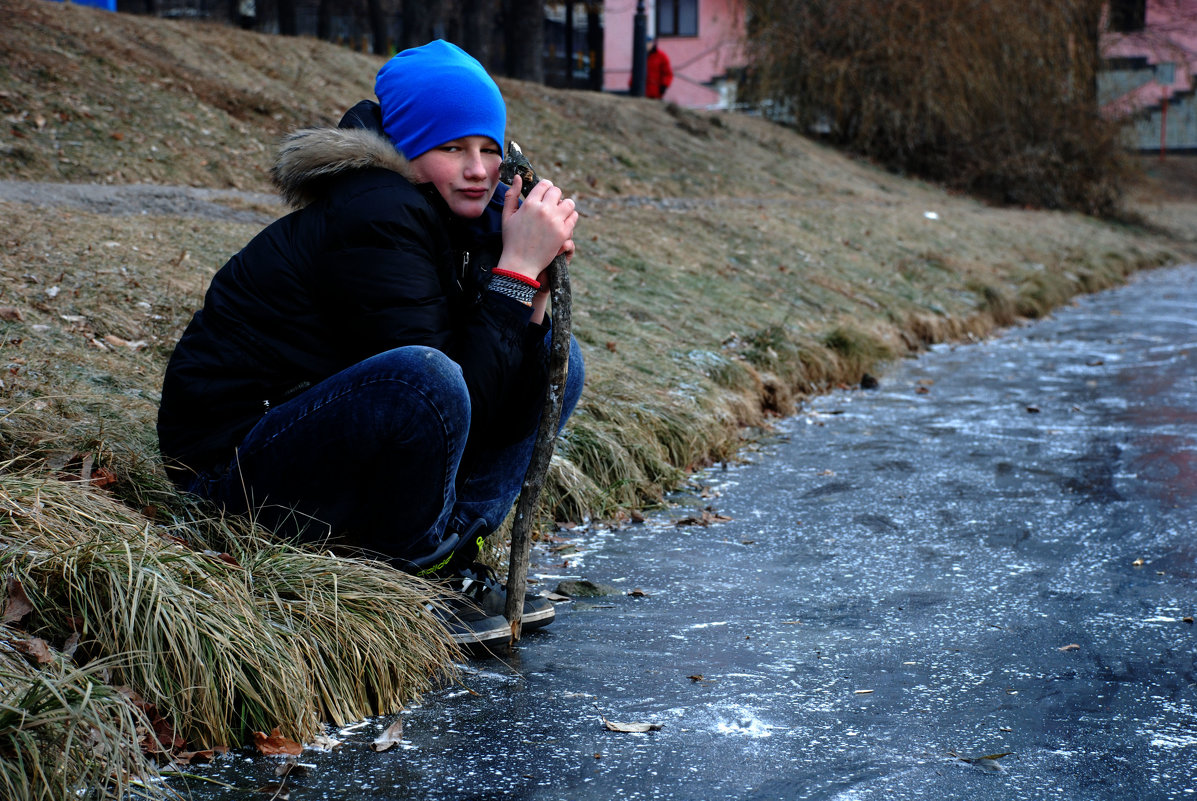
pixel 478 580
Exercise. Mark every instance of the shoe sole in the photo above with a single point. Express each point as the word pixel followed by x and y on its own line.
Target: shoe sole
pixel 537 619
pixel 488 638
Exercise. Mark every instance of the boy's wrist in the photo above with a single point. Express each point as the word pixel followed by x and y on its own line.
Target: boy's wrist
pixel 511 264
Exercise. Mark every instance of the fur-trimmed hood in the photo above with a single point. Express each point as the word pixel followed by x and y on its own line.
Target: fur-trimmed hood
pixel 309 157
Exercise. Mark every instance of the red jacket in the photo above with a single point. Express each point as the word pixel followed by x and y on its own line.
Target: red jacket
pixel 659 74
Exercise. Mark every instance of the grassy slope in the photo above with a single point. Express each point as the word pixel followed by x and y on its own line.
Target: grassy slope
pixel 698 318
pixel 772 267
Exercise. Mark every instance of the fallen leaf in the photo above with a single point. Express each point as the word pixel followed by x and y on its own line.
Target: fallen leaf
pixel 638 593
pixel 390 737
pixel 222 557
pixel 695 677
pixel 862 692
pixel 162 737
pixel 35 647
pixel 708 517
pixel 17 604
pixel 11 314
pixel 1138 563
pixel 1187 619
pixel 988 762
pixel 636 516
pixel 290 767
pixel 1033 410
pixel 175 539
pixel 1070 647
pixel 275 743
pixel 554 596
pixel 324 742
pixel 277 791
pixel 631 728
pixel 102 477
pixel 192 757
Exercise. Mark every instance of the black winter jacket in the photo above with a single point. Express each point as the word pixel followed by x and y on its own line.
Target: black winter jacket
pixel 369 262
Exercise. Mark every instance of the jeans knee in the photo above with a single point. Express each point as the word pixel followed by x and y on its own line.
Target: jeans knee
pixel 428 372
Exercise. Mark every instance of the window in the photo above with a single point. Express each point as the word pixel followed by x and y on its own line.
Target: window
pixel 1128 15
pixel 677 17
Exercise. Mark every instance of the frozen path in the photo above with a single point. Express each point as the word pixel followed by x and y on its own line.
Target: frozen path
pixel 994 552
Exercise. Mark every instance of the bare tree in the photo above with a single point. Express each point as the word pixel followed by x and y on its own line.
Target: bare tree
pixel 523 33
pixel 324 20
pixel 594 43
pixel 288 24
pixel 994 98
pixel 473 29
pixel 378 27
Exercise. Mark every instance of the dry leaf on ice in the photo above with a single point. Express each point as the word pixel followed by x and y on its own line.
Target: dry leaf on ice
pixel 388 739
pixel 275 743
pixel 630 728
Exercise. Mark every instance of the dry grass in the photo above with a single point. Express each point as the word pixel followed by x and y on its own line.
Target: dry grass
pixel 726 269
pixel 264 635
pixel 64 733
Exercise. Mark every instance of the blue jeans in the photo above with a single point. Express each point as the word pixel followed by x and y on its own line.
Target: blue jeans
pixel 370 458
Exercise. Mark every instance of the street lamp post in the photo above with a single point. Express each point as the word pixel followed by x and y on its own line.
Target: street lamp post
pixel 639 50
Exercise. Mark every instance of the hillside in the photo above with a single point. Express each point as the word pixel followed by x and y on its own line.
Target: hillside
pixel 726 265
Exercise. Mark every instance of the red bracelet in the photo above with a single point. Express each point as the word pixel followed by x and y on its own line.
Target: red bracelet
pixel 532 282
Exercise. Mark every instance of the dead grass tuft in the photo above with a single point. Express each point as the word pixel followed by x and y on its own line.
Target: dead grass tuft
pixel 64 733
pixel 224 643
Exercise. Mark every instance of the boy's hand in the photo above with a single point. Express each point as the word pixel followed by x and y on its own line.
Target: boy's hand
pixel 537 230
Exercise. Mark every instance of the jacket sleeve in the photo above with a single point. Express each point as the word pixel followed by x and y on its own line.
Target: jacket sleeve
pixel 387 277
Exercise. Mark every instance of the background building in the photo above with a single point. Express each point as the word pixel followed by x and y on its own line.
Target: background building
pixel 1150 49
pixel 701 37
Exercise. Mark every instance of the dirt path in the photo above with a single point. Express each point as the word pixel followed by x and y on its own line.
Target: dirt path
pixel 233 205
pixel 148 199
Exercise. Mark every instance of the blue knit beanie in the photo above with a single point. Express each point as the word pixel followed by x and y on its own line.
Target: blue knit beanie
pixel 435 94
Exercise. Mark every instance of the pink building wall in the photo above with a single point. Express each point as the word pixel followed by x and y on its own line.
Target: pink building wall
pixel 1169 36
pixel 697 60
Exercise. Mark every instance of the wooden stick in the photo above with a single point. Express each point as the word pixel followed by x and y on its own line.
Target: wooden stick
pixel 546 434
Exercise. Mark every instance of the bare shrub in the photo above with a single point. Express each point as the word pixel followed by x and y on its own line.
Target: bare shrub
pixel 997 98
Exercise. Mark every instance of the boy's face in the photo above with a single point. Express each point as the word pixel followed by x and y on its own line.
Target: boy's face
pixel 465 171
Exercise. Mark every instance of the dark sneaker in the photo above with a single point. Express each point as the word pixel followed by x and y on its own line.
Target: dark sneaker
pixel 472 629
pixel 474 584
pixel 478 585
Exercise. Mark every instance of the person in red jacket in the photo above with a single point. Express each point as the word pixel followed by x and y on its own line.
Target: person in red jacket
pixel 659 73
